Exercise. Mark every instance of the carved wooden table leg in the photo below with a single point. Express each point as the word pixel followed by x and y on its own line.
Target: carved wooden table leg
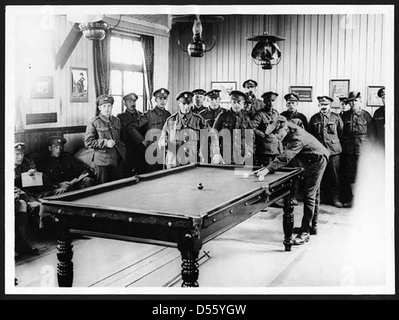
pixel 64 255
pixel 189 247
pixel 288 221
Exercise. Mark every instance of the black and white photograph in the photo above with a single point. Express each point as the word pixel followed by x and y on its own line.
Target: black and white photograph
pixel 199 149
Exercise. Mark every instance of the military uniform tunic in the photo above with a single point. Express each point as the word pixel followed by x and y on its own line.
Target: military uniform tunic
pixel 328 128
pixel 240 132
pixel 267 146
pixel 358 129
pixel 99 130
pixel 379 123
pixel 296 115
pixel 186 136
pixel 63 168
pixel 133 135
pixel 210 115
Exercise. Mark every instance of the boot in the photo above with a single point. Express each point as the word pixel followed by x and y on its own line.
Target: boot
pixel 349 204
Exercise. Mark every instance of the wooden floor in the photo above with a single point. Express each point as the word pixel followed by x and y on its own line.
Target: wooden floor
pixel 249 258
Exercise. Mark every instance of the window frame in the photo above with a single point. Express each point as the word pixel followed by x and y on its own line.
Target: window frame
pixel 120 66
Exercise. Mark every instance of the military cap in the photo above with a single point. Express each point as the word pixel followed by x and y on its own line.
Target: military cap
pixel 130 96
pixel 104 98
pixel 161 93
pixel 249 83
pixel 199 91
pixel 237 94
pixel 56 141
pixel 342 99
pixel 185 96
pixel 352 96
pixel 275 124
pixel 19 146
pixel 381 92
pixel 269 94
pixel 325 99
pixel 214 93
pixel 291 97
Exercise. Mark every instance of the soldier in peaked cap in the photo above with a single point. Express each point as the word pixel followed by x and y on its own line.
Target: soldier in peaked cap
pixel 240 147
pixel 214 108
pixel 312 156
pixel 327 127
pixel 358 130
pixel 379 120
pixel 26 199
pixel 292 111
pixel 103 134
pixel 154 121
pixel 181 134
pixel 252 103
pixel 198 100
pixel 133 135
pixel 63 169
pixel 267 146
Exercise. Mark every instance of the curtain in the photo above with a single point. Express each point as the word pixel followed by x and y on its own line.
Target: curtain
pixel 101 54
pixel 148 49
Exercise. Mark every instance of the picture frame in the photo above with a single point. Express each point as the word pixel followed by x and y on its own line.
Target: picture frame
pixel 338 88
pixel 304 93
pixel 373 100
pixel 79 85
pixel 42 87
pixel 226 87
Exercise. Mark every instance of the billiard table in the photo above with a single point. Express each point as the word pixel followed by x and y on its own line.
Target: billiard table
pixel 168 208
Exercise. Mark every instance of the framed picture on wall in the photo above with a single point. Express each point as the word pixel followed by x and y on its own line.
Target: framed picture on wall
pixel 79 85
pixel 42 87
pixel 338 88
pixel 303 92
pixel 373 100
pixel 226 87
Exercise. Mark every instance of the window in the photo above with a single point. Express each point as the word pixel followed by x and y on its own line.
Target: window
pixel 127 71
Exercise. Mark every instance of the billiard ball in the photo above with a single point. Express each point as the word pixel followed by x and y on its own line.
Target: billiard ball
pixel 246 175
pixel 200 186
pixel 261 178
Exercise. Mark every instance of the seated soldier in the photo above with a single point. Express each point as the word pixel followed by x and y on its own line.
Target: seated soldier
pixel 65 172
pixel 26 198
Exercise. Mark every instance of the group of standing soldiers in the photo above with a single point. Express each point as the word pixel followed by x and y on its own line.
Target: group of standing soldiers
pixel 151 141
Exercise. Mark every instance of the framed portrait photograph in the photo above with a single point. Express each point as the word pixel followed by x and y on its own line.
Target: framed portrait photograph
pixel 338 88
pixel 303 92
pixel 42 87
pixel 226 87
pixel 373 100
pixel 79 85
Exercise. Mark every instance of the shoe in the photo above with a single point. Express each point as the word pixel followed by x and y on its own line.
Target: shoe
pixel 313 231
pixel 348 204
pixel 294 201
pixel 296 230
pixel 336 203
pixel 301 238
pixel 24 248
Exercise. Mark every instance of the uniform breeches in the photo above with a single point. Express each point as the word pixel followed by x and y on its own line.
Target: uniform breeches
pixel 313 175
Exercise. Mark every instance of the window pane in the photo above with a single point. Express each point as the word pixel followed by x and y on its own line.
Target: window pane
pixel 127 51
pixel 128 82
pixel 139 104
pixel 116 82
pixel 133 82
pixel 117 108
pixel 116 45
pixel 138 53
